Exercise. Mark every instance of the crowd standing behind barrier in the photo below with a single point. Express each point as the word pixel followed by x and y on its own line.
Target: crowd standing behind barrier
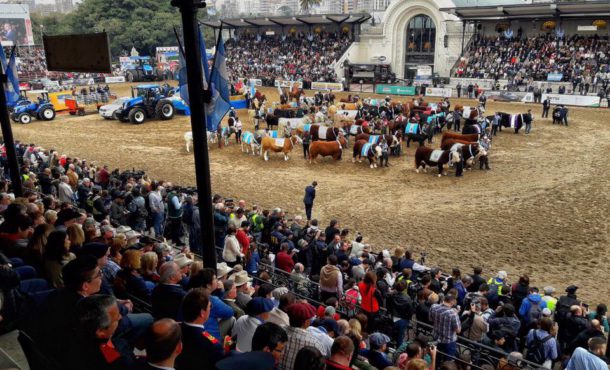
pixel 95 256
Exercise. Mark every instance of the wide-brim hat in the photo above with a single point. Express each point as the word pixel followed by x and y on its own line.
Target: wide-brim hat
pixel 222 269
pixel 182 260
pixel 241 278
pixel 123 229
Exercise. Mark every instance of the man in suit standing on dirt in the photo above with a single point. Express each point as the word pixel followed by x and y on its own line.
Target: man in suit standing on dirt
pixel 310 195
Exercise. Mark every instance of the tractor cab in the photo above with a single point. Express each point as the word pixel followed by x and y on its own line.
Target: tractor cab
pixel 147 101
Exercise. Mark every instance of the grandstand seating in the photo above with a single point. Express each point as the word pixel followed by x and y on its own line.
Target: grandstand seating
pixel 578 58
pixel 282 57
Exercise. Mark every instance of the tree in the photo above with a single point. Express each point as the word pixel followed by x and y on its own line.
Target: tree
pixel 306 5
pixel 285 10
pixel 143 24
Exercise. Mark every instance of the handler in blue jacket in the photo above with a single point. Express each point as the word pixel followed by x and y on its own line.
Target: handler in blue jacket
pixel 310 195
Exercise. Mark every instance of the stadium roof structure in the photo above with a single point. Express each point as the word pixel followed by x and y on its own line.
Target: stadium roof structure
pixel 533 10
pixel 287 21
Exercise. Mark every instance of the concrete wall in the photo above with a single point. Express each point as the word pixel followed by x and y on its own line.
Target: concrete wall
pixel 389 38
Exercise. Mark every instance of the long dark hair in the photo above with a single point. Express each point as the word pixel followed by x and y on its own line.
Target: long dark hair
pixel 370 280
pixel 600 312
pixel 55 249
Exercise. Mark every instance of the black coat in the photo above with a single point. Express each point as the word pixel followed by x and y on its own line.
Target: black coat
pixel 198 351
pixel 400 305
pixel 166 301
pixel 310 195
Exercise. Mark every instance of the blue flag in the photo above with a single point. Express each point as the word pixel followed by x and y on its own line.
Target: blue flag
pixel 2 59
pixel 12 88
pixel 219 87
pixel 182 78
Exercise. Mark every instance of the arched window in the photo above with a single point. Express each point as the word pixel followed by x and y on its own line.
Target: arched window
pixel 421 34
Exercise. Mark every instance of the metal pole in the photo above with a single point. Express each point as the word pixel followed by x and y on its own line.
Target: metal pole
pixel 9 143
pixel 188 9
pixel 463 31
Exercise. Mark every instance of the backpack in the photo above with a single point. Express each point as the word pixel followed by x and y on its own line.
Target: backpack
pixel 535 350
pixel 534 313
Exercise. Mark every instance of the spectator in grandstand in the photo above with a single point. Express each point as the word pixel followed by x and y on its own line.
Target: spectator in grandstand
pixel 163 345
pixel 593 359
pixel 300 315
pixel 168 294
pixel 200 348
pixel 94 345
pixel 270 338
pixel 446 324
pixel 257 310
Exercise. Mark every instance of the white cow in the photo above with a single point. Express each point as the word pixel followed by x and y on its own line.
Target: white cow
pixel 188 138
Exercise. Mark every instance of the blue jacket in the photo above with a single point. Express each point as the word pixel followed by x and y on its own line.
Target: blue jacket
pixel 310 195
pixel 526 304
pixel 378 359
pixel 219 311
pixel 252 265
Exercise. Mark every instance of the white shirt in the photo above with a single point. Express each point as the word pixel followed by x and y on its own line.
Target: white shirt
pixel 244 329
pixel 231 250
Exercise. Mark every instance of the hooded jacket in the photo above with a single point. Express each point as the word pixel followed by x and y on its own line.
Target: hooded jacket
pixel 400 305
pixel 528 302
pixel 331 279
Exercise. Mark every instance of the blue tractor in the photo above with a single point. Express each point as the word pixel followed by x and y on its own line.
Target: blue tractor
pixel 150 101
pixel 25 110
pixel 142 69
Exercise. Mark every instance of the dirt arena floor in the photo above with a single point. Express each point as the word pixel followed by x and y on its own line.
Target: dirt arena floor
pixel 543 209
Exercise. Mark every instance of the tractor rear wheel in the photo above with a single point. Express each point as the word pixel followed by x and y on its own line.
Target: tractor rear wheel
pixel 47 114
pixel 137 116
pixel 25 118
pixel 165 110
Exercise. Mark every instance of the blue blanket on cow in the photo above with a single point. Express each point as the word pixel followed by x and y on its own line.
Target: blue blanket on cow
pixel 365 149
pixel 273 134
pixel 374 139
pixel 412 128
pixel 247 137
pixel 307 127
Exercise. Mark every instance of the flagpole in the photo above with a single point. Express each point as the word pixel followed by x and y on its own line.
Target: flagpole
pixel 188 10
pixel 7 134
pixel 215 56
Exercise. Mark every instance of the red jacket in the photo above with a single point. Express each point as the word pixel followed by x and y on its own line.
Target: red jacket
pixel 284 262
pixel 243 240
pixel 369 302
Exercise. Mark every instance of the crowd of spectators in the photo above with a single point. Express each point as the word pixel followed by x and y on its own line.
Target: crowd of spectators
pixel 84 245
pixel 523 60
pixel 32 62
pixel 293 57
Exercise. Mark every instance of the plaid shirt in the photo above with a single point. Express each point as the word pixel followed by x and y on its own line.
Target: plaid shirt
pixel 297 339
pixel 446 323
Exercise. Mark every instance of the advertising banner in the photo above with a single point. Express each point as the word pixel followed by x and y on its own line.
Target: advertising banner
pixel 556 99
pixel 556 77
pixel 327 86
pixel 395 90
pixel 283 83
pixel 15 25
pixel 114 79
pixel 435 91
pixel 256 81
